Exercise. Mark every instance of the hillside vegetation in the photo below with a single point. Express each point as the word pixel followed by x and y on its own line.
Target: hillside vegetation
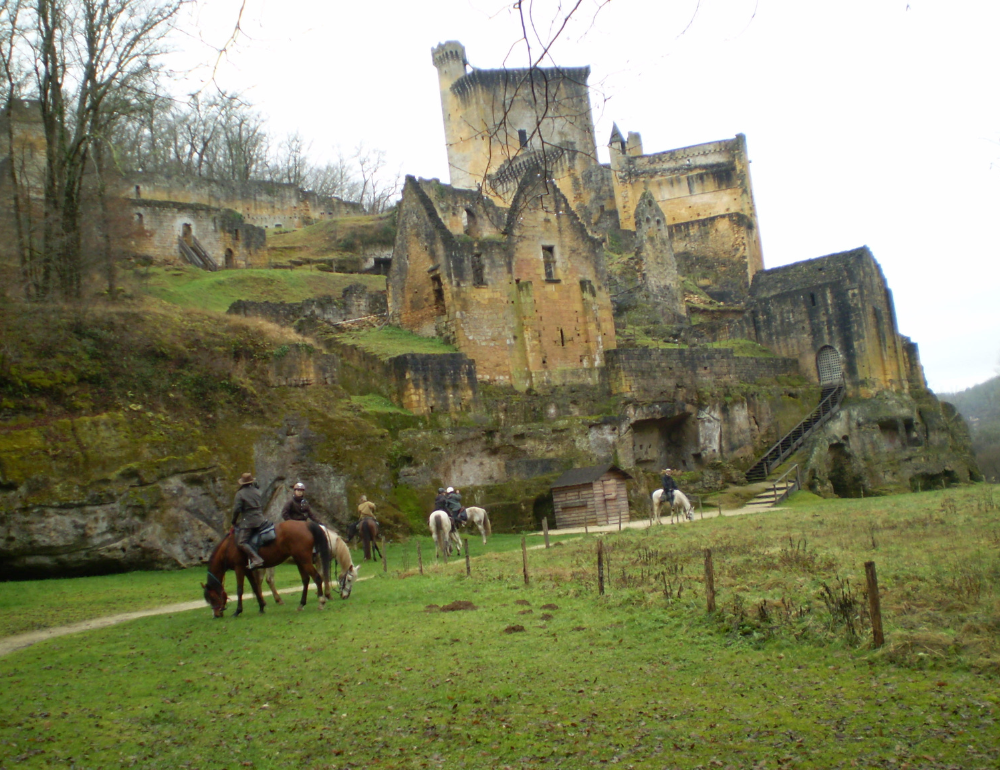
pixel 336 242
pixel 980 406
pixel 189 287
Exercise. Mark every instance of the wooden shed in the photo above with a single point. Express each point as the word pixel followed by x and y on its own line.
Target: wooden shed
pixel 591 496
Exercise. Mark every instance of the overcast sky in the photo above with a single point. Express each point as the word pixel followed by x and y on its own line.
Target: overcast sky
pixel 868 122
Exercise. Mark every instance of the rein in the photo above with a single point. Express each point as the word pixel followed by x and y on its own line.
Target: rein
pixel 213 581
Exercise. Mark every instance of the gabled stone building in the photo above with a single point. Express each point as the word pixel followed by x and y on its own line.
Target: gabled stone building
pixel 522 290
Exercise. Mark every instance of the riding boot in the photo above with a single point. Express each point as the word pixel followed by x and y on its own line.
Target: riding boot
pixel 255 560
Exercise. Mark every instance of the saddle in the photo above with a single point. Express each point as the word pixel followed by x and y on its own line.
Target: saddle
pixel 264 535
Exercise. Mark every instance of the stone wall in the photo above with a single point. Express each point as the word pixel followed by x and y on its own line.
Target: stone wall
pixel 356 301
pixel 227 239
pixel 265 204
pixel 423 383
pixel 841 301
pixel 658 373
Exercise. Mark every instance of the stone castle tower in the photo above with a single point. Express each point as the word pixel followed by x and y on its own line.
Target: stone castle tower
pixel 500 124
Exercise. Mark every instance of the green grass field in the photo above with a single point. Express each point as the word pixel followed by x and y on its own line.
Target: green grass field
pixel 550 674
pixel 189 287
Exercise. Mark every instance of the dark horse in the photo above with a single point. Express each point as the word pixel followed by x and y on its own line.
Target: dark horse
pixel 368 529
pixel 295 540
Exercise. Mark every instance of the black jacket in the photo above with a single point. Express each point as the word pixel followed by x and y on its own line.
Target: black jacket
pixel 669 485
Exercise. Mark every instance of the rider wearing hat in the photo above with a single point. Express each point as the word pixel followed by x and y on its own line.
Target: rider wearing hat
pixel 297 509
pixel 248 517
pixel 669 485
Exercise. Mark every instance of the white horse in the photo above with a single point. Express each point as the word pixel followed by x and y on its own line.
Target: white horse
pixel 681 505
pixel 481 519
pixel 444 536
pixel 340 551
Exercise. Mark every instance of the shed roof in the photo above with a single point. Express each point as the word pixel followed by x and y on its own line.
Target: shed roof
pixel 577 476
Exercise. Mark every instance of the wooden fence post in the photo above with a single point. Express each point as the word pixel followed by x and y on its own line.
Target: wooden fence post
pixel 385 564
pixel 420 559
pixel 600 567
pixel 545 529
pixel 709 581
pixel 720 509
pixel 524 557
pixel 874 604
pixel 468 565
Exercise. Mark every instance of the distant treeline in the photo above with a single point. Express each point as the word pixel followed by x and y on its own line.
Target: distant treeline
pixel 980 406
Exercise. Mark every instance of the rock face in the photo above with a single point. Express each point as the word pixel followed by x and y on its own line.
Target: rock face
pixel 174 521
pixel 890 443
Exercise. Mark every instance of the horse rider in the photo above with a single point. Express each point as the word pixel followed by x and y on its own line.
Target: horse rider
pixel 669 485
pixel 366 508
pixel 297 509
pixel 441 501
pixel 248 517
pixel 453 506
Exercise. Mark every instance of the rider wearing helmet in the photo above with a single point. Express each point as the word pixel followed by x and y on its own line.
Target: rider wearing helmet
pixel 441 501
pixel 453 506
pixel 297 509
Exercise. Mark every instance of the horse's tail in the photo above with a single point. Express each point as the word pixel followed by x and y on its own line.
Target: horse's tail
pixel 322 544
pixel 366 539
pixel 486 521
pixel 439 534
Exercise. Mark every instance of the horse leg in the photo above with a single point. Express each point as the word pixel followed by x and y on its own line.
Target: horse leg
pixel 240 574
pixel 304 574
pixel 257 584
pixel 269 574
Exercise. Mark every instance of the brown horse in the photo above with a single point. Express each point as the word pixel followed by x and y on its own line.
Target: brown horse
pixel 368 529
pixel 295 540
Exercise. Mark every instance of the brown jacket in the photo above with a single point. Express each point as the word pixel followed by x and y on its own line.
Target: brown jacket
pixel 247 510
pixel 298 510
pixel 367 508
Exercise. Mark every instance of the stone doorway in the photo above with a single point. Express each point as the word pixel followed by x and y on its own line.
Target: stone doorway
pixel 666 442
pixel 828 366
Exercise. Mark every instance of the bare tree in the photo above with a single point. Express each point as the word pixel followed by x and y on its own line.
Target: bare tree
pixel 379 187
pixel 88 57
pixel 337 178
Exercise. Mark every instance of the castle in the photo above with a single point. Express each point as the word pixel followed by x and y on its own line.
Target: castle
pixel 537 255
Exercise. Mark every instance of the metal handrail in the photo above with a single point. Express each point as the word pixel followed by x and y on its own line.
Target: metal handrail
pixel 789 488
pixel 774 456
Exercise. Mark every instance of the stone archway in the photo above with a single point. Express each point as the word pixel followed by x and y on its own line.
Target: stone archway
pixel 828 366
pixel 230 260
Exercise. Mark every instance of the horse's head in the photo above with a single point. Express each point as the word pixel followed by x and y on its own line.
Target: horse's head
pixel 352 530
pixel 215 595
pixel 347 582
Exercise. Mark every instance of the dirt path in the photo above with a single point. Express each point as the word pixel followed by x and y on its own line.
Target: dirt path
pixel 11 644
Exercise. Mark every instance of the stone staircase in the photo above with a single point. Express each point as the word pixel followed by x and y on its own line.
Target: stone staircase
pixel 776 490
pixel 195 254
pixel 791 441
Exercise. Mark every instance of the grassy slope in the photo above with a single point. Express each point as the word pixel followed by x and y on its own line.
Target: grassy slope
pixel 345 236
pixel 189 287
pixel 635 677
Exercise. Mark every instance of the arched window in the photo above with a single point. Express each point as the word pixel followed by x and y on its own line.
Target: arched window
pixel 828 366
